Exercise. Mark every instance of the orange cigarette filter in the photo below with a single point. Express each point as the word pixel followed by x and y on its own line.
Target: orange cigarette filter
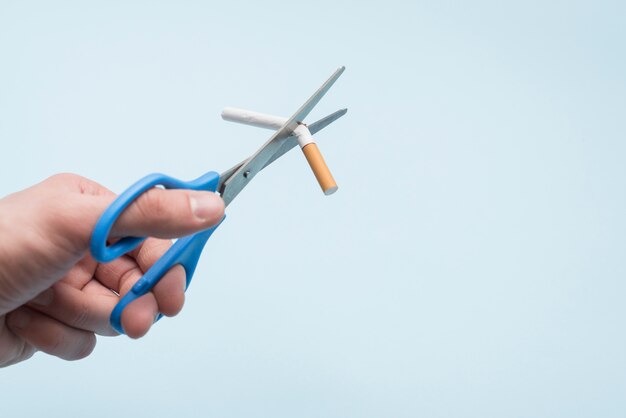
pixel 320 169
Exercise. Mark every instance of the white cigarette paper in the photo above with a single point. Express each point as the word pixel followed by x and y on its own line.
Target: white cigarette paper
pixel 263 120
pixel 303 135
pixel 248 117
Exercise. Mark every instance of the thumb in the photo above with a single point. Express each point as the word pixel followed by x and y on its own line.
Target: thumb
pixel 169 214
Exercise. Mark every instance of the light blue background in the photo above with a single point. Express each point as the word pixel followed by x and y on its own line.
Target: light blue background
pixel 472 263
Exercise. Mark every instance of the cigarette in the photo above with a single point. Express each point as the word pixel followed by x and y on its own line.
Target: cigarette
pixel 315 160
pixel 248 117
pixel 302 134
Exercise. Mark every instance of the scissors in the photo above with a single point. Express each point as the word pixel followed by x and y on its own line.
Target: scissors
pixel 186 251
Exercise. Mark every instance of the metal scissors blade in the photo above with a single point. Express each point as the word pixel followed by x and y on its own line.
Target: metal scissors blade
pixel 253 165
pixel 286 146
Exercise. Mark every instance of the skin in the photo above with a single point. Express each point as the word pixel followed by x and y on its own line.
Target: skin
pixel 54 297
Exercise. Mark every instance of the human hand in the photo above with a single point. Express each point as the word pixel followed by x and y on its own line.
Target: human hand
pixel 54 297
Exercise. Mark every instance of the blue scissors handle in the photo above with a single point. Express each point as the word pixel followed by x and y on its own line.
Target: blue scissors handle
pixel 186 251
pixel 99 248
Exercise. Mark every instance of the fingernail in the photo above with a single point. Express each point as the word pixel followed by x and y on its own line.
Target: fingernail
pixel 205 205
pixel 19 319
pixel 44 298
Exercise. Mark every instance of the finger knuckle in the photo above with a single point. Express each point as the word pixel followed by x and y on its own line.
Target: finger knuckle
pixel 26 351
pixel 128 279
pixel 7 353
pixel 152 250
pixel 152 205
pixel 64 178
pixel 52 342
pixel 10 355
pixel 66 345
pixel 85 348
pixel 81 314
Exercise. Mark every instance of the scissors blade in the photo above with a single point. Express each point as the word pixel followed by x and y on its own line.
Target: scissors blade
pixel 290 143
pixel 252 166
pixel 227 175
pixel 315 127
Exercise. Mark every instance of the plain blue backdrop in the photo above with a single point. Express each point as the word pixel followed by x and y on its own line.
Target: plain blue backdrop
pixel 472 263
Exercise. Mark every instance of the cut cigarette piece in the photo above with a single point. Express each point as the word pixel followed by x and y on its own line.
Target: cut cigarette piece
pixel 320 169
pixel 248 117
pixel 301 132
pixel 303 135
